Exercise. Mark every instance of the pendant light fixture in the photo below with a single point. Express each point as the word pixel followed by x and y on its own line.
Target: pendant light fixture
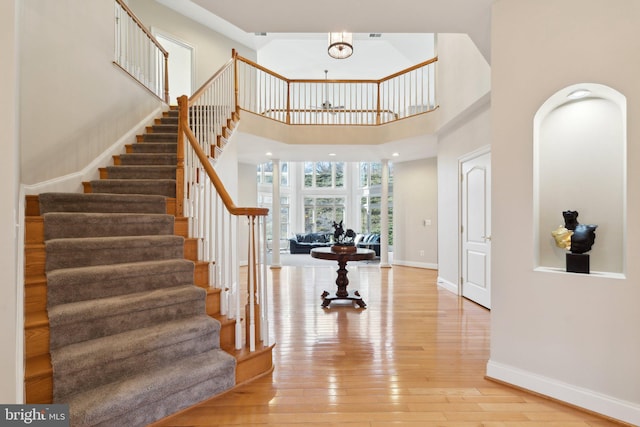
pixel 340 45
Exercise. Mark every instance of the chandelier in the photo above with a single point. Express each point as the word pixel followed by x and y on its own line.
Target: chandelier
pixel 340 45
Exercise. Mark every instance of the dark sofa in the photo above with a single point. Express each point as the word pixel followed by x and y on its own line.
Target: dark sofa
pixel 370 241
pixel 303 243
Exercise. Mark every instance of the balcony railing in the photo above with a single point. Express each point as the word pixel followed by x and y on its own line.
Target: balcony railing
pixel 139 53
pixel 335 102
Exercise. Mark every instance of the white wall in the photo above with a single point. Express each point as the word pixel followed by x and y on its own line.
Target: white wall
pixel 464 76
pixel 74 103
pixel 11 371
pixel 415 199
pixel 454 142
pixel 570 336
pixel 212 49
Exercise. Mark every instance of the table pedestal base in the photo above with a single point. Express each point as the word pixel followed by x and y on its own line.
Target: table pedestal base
pixel 328 297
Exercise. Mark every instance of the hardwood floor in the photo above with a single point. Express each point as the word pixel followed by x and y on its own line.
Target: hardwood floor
pixel 415 356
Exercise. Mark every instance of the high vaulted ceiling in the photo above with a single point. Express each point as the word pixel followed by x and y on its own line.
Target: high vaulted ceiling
pixel 296 41
pixel 358 16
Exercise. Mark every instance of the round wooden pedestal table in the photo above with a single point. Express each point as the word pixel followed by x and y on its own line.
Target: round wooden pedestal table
pixel 342 257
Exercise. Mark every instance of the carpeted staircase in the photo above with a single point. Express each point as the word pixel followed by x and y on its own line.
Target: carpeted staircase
pixel 130 339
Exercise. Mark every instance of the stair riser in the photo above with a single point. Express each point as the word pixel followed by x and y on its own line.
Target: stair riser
pixel 203 375
pixel 120 250
pixel 162 128
pixel 39 390
pixel 152 147
pixel 38 342
pixel 106 282
pixel 159 159
pixel 167 121
pixel 105 370
pixel 157 137
pixel 138 172
pixel 104 326
pixel 35 259
pixel 101 203
pixel 35 297
pixel 165 188
pixel 197 393
pixel 83 225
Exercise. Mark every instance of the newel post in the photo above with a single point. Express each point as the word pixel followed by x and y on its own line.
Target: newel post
pixel 166 78
pixel 288 103
pixel 236 81
pixel 183 121
pixel 378 106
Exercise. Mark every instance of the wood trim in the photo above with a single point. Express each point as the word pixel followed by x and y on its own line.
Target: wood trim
pixel 409 69
pixel 138 81
pixel 208 83
pixel 261 68
pixel 206 165
pixel 142 27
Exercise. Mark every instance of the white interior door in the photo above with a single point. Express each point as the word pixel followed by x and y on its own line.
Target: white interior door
pixel 180 67
pixel 476 228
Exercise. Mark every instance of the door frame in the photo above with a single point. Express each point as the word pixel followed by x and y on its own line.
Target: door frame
pixel 166 35
pixel 461 160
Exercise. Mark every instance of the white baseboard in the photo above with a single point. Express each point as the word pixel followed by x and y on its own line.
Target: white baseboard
pixel 72 183
pixel 592 401
pixel 426 265
pixel 445 284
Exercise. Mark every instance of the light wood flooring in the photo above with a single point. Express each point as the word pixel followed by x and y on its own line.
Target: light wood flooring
pixel 415 357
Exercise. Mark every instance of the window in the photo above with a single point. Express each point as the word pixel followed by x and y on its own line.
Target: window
pixel 321 212
pixel 265 201
pixel 371 174
pixel 323 175
pixel 265 173
pixel 370 201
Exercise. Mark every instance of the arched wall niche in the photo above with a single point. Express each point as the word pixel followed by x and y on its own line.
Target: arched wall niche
pixel 580 148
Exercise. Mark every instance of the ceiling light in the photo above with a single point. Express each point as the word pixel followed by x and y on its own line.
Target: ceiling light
pixel 332 154
pixel 340 45
pixel 268 153
pixel 579 93
pixel 395 154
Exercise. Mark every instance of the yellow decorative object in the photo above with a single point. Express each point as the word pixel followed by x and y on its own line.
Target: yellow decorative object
pixel 563 237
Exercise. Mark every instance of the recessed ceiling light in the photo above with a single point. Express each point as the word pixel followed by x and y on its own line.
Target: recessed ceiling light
pixel 268 153
pixel 579 93
pixel 395 154
pixel 332 154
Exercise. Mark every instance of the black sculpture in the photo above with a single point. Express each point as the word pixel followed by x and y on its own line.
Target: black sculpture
pixel 577 238
pixel 342 236
pixel 583 237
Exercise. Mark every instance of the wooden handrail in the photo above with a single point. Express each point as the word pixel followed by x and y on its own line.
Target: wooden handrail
pixel 208 83
pixel 142 27
pixel 204 160
pixel 372 81
pixel 408 70
pixel 373 92
pixel 260 67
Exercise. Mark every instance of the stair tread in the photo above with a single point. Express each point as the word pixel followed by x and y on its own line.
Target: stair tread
pixel 137 341
pixel 110 306
pixel 89 319
pixel 101 202
pixel 155 385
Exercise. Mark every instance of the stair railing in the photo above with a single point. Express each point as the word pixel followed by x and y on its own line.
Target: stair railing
pixel 138 52
pixel 335 102
pixel 213 216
